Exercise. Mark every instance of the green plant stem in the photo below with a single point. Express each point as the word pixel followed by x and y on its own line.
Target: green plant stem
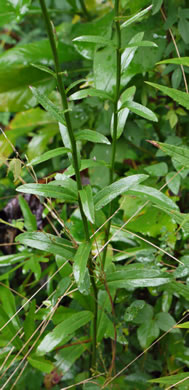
pixel 51 35
pixel 84 9
pixel 115 123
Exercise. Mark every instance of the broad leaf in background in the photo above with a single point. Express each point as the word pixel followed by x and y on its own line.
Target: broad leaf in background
pixel 180 97
pixel 81 273
pixel 17 73
pixel 11 11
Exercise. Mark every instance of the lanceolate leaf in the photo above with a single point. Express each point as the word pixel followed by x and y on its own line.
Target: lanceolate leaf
pixel 80 262
pixel 127 95
pixel 48 105
pixel 177 61
pixel 48 155
pixel 129 52
pixel 87 203
pixel 29 218
pixel 64 330
pixel 97 39
pixel 92 136
pixel 140 110
pixel 180 154
pixel 48 243
pixel 48 190
pixel 171 379
pixel 134 276
pixel 155 196
pixel 142 44
pixel 136 17
pixel 180 97
pixel 107 194
pixel 90 92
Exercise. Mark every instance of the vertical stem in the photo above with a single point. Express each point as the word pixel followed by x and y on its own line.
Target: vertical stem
pixel 115 123
pixel 61 88
pixel 84 9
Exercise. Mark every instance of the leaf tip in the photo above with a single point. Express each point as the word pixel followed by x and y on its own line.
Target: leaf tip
pixel 154 143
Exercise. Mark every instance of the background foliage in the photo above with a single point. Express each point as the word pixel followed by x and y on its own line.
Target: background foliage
pixel 143 288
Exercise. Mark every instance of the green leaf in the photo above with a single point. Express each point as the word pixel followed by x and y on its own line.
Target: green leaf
pixel 180 97
pixel 128 94
pixel 183 27
pixel 11 259
pixel 92 136
pixel 156 6
pixel 170 379
pixel 67 184
pixel 165 321
pixel 107 194
pixel 48 105
pixel 80 264
pixel 129 52
pixel 29 218
pixel 97 39
pixel 142 44
pixel 64 330
pixel 85 164
pixel 48 155
pixel 44 69
pixel 13 11
pixel 16 72
pixel 15 167
pixel 48 243
pixel 173 181
pixel 29 323
pixel 184 325
pixel 87 203
pixel 40 363
pixel 136 17
pixel 67 357
pixel 177 61
pixel 90 92
pixel 48 190
pixel 147 333
pixel 135 276
pixel 153 195
pixel 140 110
pixel 180 154
pixel 157 170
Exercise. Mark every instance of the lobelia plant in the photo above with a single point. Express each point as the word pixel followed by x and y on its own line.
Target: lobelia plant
pixel 96 279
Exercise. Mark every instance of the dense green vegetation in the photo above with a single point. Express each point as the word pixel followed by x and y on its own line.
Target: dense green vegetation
pixel 94 223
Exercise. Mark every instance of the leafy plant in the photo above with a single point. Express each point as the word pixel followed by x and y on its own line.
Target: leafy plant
pixel 94 261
